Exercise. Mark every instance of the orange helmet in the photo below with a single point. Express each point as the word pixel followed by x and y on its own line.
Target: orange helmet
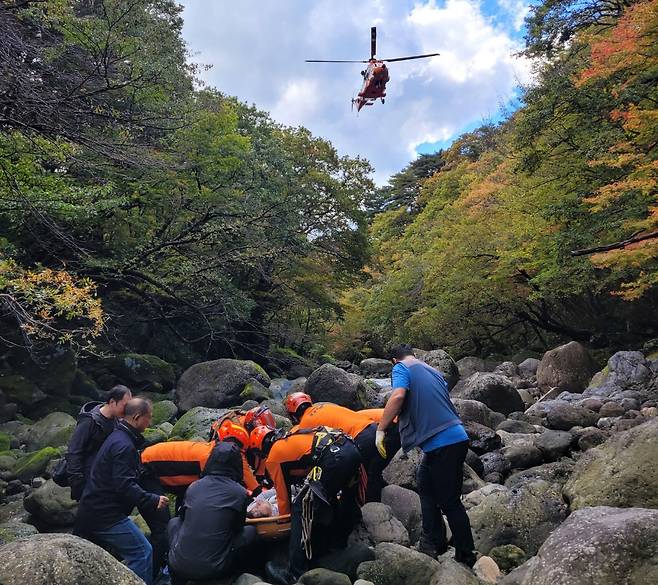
pixel 293 401
pixel 258 436
pixel 227 429
pixel 259 416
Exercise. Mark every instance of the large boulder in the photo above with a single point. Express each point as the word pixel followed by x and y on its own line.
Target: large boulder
pixel 483 439
pixel 379 524
pixel 52 504
pixel 54 430
pixel 10 531
pixel 528 367
pixel 473 410
pixel 625 370
pixel 555 472
pixel 140 372
pixel 567 367
pixel 620 472
pixel 331 384
pixel 602 545
pixel 441 360
pixel 196 423
pixel 19 390
pixel 35 464
pixel 402 469
pixel 218 383
pixel 523 516
pixel 553 444
pixel 61 559
pixel 405 505
pixel 562 416
pixel 163 411
pixel 375 368
pixel 494 390
pixel 469 365
pixel 450 572
pixel 398 565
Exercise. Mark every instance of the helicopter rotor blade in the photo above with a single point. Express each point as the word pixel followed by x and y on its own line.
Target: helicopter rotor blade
pixel 373 42
pixel 331 61
pixel 408 58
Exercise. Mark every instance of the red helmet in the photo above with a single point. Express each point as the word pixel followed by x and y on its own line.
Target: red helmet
pixel 293 401
pixel 227 429
pixel 258 436
pixel 259 416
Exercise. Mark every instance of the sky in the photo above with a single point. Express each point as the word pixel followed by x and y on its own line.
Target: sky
pixel 256 51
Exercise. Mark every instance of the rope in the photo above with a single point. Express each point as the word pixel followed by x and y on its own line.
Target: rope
pixel 307 522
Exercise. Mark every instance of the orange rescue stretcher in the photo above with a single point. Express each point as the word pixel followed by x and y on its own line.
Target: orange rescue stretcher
pixel 271 527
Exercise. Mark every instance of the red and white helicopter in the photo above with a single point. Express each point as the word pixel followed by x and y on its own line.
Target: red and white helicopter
pixel 375 75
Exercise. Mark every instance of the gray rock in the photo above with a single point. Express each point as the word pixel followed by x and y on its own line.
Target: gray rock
pixel 382 526
pixel 254 390
pixel 10 531
pixel 453 573
pixel 442 361
pixel 628 369
pixel 611 409
pixel 405 505
pixel 52 504
pixel 601 545
pixel 483 439
pixel 494 390
pixel 196 423
pixel 593 404
pixel 591 437
pixel 508 556
pixel 495 462
pixel 331 384
pixel 397 565
pixel 163 411
pixel 567 367
pixel 553 444
pixel 522 454
pixel 324 577
pixel 507 369
pixel 528 367
pixel 54 430
pixel 402 469
pixel 473 410
pixel 523 516
pixel 61 559
pixel 562 416
pixel 375 368
pixel 557 472
pixel 620 472
pixel 516 426
pixel 217 383
pixel 475 498
pixel 469 365
pixel 247 579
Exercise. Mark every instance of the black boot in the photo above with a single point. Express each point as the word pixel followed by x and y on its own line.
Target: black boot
pixel 278 575
pixel 466 558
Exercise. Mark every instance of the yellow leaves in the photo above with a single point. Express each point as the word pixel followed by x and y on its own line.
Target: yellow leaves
pixel 51 304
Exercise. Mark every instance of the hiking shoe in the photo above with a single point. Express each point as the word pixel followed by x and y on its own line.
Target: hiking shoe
pixel 467 559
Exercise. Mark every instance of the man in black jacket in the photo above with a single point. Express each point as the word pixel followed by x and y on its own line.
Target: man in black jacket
pixel 210 538
pixel 96 421
pixel 113 491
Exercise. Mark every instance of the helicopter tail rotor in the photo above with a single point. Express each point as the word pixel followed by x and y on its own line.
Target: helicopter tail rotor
pixel 373 42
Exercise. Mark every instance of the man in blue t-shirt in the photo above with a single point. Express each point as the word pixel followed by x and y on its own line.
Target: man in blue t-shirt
pixel 429 420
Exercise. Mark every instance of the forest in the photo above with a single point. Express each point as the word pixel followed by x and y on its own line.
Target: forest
pixel 143 211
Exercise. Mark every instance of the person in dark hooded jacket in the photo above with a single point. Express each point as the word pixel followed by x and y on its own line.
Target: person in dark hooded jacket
pixel 96 421
pixel 210 538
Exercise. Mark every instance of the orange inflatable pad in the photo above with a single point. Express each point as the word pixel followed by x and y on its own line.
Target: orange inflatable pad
pixel 272 527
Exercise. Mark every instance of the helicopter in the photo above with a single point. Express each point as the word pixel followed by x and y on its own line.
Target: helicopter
pixel 375 75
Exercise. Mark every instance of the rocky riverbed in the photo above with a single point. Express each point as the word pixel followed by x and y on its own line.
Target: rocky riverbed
pixel 561 485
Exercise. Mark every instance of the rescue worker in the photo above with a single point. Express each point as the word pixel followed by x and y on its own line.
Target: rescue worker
pixel 362 427
pixel 330 462
pixel 113 491
pixel 210 540
pixel 172 466
pixel 96 421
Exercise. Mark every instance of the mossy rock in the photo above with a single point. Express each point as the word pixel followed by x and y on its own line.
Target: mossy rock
pixel 22 391
pixel 166 428
pixel 196 423
pixel 10 531
pixel 7 461
pixel 55 404
pixel 508 556
pixel 5 442
pixel 254 390
pixel 54 430
pixel 140 371
pixel 153 436
pixel 35 464
pixel 163 411
pixel 84 385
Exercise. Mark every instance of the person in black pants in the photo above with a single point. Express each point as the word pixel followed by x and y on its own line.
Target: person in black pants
pixel 429 420
pixel 210 539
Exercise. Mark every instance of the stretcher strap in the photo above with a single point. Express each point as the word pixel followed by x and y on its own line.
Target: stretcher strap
pixel 307 522
pixel 363 485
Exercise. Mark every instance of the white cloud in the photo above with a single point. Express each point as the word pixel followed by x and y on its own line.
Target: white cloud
pixel 257 50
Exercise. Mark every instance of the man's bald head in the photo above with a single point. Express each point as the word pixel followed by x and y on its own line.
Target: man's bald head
pixel 138 413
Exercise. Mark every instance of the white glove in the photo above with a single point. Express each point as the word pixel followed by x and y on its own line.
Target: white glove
pixel 379 443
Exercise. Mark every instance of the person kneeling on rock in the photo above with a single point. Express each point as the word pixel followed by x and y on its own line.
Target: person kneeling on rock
pixel 325 462
pixel 209 539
